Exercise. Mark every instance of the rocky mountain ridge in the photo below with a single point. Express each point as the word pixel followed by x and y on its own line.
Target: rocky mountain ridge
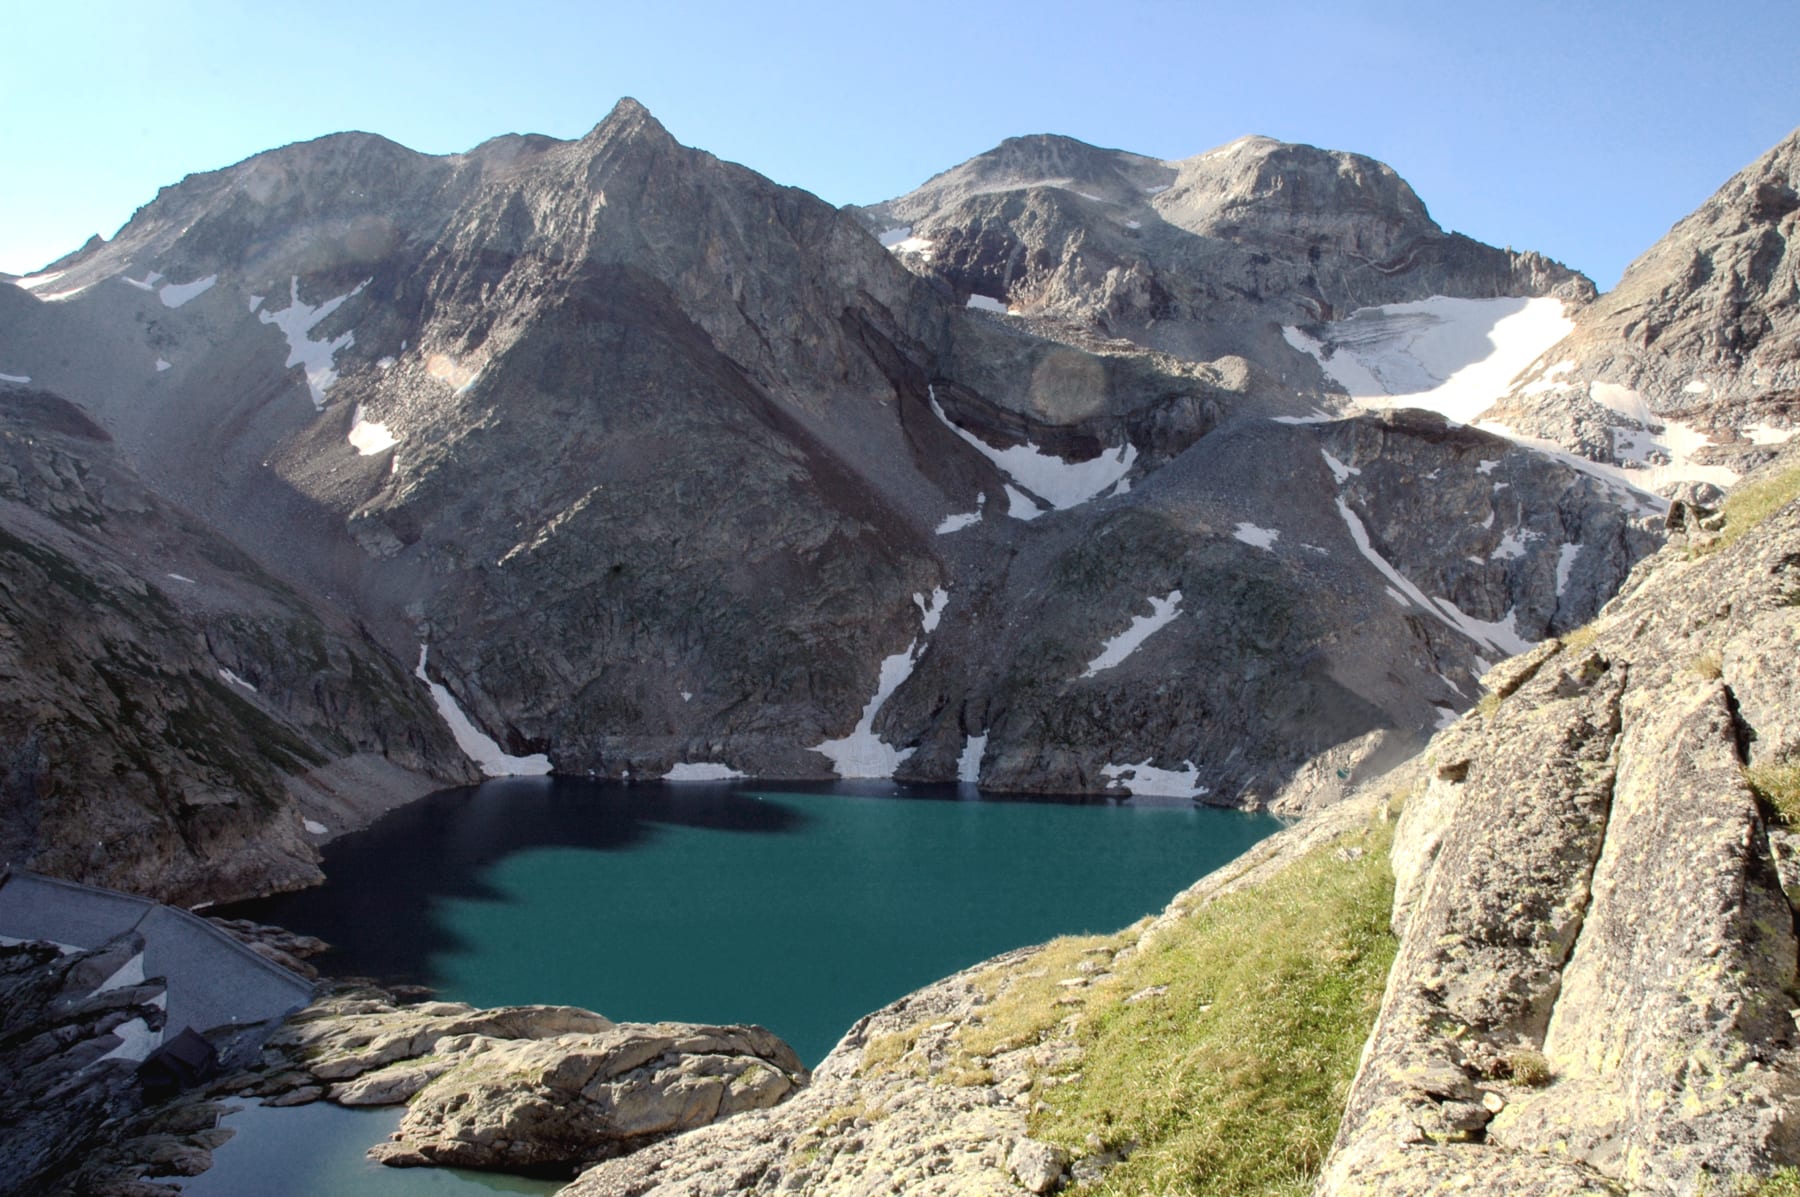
pixel 677 471
pixel 177 722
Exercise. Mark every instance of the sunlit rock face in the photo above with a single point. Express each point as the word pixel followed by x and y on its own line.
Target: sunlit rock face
pixel 1688 370
pixel 673 471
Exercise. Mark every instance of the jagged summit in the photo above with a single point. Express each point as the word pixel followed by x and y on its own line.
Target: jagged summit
pixel 1199 256
pixel 1696 353
pixel 628 119
pixel 668 465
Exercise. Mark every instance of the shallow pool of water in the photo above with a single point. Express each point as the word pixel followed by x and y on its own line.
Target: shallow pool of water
pixel 318 1151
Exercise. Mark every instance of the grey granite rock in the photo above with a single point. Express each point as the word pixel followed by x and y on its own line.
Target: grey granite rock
pixel 1594 987
pixel 1702 329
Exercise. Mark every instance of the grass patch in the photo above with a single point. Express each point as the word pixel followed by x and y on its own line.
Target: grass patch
pixel 1488 703
pixel 1027 1007
pixel 1234 1079
pixel 884 1052
pixel 1581 638
pixel 1708 665
pixel 1778 785
pixel 1783 1182
pixel 1528 1067
pixel 1749 504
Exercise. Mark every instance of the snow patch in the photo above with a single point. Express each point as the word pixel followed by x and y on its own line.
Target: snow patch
pixel 314 827
pixel 138 1041
pixel 1451 356
pixel 914 245
pixel 983 303
pixel 895 236
pixel 1061 484
pixel 1697 387
pixel 161 365
pixel 1486 466
pixel 318 358
pixel 21 379
pixel 181 578
pixel 1499 634
pixel 1319 416
pixel 476 744
pixel 174 295
pixel 1338 469
pixel 147 283
pixel 701 771
pixel 1512 545
pixel 384 363
pixel 956 523
pixel 687 696
pixel 1445 716
pixel 1144 778
pixel 1768 434
pixel 1133 224
pixel 38 285
pixel 225 675
pixel 862 753
pixel 369 438
pixel 1545 380
pixel 32 282
pixel 255 302
pixel 932 610
pixel 968 765
pixel 1162 612
pixel 1262 538
pixel 1565 562
pixel 1020 507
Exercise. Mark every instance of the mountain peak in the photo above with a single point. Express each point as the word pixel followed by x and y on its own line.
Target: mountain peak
pixel 629 119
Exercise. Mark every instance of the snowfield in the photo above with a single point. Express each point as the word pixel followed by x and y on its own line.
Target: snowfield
pixel 862 753
pixel 1162 613
pixel 1044 476
pixel 1451 356
pixel 476 744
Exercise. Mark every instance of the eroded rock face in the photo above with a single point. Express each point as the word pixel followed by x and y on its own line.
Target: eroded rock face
pixel 1701 331
pixel 167 707
pixel 1594 988
pixel 534 1089
pixel 58 1030
pixel 1187 255
pixel 668 463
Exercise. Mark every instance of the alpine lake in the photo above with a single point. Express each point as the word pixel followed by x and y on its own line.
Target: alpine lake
pixel 801 907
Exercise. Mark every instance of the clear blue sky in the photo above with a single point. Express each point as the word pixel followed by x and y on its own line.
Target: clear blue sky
pixel 1582 129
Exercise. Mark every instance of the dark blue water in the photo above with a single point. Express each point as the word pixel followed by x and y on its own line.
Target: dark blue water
pixel 798 908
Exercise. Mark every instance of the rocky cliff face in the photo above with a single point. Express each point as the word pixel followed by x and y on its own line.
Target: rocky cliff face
pixel 1195 256
pixel 1693 354
pixel 1598 964
pixel 669 465
pixel 169 712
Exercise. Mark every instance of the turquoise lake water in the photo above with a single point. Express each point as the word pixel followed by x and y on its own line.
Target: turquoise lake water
pixel 799 908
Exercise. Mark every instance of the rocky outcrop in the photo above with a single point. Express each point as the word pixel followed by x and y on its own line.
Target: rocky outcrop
pixel 169 712
pixel 60 1027
pixel 669 464
pixel 1594 986
pixel 925 1096
pixel 1198 256
pixel 1700 334
pixel 535 1089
